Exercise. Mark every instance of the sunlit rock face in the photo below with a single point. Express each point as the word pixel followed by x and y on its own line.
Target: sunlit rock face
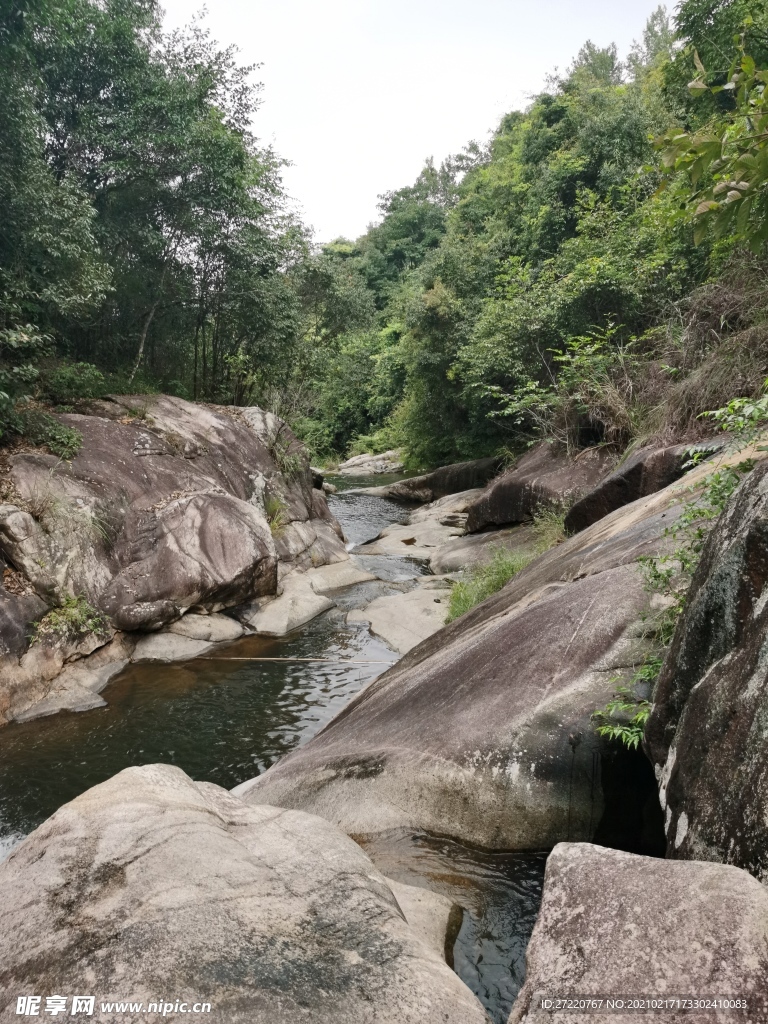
pixel 151 886
pixel 484 731
pixel 613 924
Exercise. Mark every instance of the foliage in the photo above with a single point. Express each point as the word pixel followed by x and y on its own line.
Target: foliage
pixel 42 429
pixel 71 382
pixel 726 159
pixel 20 349
pixel 72 619
pixel 589 397
pixel 549 524
pixel 624 716
pixel 287 455
pixel 485 579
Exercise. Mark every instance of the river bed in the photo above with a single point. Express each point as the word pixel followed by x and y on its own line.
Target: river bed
pixel 225 720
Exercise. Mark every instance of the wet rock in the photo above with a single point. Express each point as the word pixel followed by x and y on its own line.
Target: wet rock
pixel 615 924
pixel 214 628
pixel 707 733
pixel 461 476
pixel 296 604
pixel 647 471
pixel 544 476
pixel 372 465
pixel 169 647
pixel 317 478
pixel 483 731
pixel 127 892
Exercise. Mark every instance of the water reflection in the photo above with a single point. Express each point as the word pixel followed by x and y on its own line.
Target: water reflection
pixel 221 721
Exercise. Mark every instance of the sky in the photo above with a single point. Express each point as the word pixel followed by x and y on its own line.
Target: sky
pixel 358 93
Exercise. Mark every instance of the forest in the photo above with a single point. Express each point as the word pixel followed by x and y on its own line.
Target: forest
pixel 593 274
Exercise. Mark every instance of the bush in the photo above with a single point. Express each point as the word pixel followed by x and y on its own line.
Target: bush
pixel 41 429
pixel 549 524
pixel 72 382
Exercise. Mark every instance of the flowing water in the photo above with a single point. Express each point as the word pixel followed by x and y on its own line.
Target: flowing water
pixel 222 720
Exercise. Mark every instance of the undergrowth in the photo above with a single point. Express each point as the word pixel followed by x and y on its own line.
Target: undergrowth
pixel 72 619
pixel 484 580
pixel 487 578
pixel 670 575
pixel 275 510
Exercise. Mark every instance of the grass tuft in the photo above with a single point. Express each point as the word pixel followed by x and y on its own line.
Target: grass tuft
pixel 484 580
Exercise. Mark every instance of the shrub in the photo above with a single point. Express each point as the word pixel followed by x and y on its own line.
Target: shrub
pixel 72 382
pixel 42 429
pixel 72 619
pixel 549 524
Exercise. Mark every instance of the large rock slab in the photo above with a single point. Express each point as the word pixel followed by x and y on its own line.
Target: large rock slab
pixel 544 476
pixel 205 551
pixel 647 471
pixel 615 924
pixel 460 476
pixel 483 731
pixel 707 735
pixel 153 886
pixel 169 647
pixel 417 540
pixel 214 628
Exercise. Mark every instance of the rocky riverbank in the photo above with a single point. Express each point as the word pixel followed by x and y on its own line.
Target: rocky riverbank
pixel 482 732
pixel 167 508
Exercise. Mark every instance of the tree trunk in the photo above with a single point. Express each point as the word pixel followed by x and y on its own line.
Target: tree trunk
pixel 142 342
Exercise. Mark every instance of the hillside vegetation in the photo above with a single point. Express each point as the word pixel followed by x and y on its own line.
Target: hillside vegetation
pixel 593 274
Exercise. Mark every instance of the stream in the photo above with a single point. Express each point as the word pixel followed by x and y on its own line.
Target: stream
pixel 224 721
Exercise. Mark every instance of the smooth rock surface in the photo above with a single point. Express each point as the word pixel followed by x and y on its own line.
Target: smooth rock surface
pixel 544 476
pixel 417 540
pixel 153 886
pixel 340 574
pixel 484 731
pixel 298 603
pixel 480 548
pixel 404 620
pixel 169 647
pixel 161 512
pixel 708 734
pixel 214 628
pixel 647 471
pixel 460 476
pixel 433 918
pixel 616 924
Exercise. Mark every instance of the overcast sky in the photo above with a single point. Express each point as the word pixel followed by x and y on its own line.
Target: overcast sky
pixel 357 93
